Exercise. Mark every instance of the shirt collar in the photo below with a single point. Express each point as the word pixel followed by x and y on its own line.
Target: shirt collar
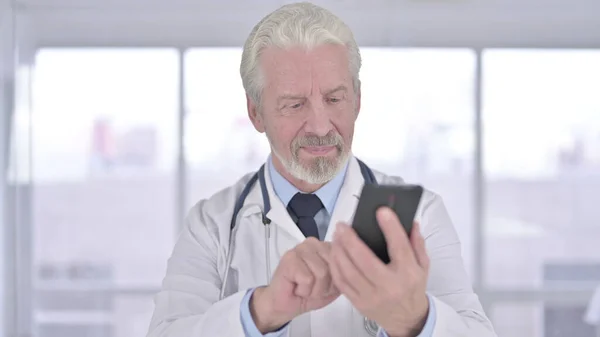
pixel 328 193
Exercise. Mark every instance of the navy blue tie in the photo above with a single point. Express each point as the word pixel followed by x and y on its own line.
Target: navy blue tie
pixel 303 208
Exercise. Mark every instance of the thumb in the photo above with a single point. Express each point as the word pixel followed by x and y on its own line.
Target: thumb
pixel 398 244
pixel 418 243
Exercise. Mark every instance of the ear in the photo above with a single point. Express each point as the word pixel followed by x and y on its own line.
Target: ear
pixel 358 96
pixel 254 115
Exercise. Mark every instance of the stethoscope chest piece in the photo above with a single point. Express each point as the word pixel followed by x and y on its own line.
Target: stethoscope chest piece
pixel 371 327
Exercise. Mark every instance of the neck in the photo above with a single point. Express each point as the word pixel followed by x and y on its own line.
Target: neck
pixel 301 185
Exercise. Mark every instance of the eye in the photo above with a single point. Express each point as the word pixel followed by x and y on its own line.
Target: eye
pixel 334 100
pixel 296 106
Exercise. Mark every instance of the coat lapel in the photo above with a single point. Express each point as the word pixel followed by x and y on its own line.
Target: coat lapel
pixel 344 207
pixel 279 215
pixel 347 199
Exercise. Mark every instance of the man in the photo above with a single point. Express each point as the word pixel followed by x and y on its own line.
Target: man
pixel 300 68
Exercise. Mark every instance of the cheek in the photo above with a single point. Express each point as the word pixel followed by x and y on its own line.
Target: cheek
pixel 345 123
pixel 281 134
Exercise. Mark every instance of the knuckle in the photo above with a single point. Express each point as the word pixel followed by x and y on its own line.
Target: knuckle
pixel 322 245
pixel 300 248
pixel 321 273
pixel 311 242
pixel 289 256
pixel 308 279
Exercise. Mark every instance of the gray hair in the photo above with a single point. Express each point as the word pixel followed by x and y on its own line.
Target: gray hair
pixel 299 24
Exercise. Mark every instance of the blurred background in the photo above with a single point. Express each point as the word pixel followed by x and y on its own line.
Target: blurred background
pixel 117 116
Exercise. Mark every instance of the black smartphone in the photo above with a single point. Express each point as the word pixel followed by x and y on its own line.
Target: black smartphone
pixel 403 199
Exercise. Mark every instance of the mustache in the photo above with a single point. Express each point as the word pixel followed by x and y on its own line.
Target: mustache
pixel 331 139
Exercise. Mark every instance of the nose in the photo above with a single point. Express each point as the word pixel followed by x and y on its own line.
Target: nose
pixel 318 121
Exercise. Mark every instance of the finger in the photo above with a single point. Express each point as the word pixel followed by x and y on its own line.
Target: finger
pixel 319 269
pixel 418 244
pixel 300 274
pixel 351 274
pixel 340 281
pixel 361 256
pixel 304 280
pixel 398 244
pixel 324 252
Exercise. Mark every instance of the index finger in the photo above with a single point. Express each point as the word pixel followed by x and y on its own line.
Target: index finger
pixel 296 272
pixel 321 248
pixel 398 243
pixel 319 266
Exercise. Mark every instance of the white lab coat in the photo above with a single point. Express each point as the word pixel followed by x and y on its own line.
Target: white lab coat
pixel 188 304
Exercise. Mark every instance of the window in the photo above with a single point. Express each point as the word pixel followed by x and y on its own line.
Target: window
pixel 221 144
pixel 417 122
pixel 542 162
pixel 541 154
pixel 104 135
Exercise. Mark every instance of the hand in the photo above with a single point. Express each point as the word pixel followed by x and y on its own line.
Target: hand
pixel 301 283
pixel 392 295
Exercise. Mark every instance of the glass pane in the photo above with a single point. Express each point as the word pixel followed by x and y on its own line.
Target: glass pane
pixel 221 144
pixel 416 121
pixel 542 165
pixel 103 143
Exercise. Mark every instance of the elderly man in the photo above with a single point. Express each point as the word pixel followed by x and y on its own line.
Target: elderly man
pixel 273 254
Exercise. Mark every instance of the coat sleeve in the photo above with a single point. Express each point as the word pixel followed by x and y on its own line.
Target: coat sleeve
pixel 458 309
pixel 188 304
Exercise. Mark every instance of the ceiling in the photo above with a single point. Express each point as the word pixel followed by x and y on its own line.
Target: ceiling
pixel 433 23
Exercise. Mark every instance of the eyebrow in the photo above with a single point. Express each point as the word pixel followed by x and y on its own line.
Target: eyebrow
pixel 289 96
pixel 336 89
pixel 294 96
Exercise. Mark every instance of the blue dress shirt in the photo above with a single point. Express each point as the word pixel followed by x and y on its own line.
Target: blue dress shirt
pixel 328 195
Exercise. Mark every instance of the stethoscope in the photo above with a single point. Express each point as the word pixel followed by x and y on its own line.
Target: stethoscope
pixel 369 177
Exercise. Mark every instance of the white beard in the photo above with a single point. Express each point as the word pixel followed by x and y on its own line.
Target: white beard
pixel 320 170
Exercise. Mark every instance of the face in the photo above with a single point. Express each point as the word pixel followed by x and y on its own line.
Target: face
pixel 308 110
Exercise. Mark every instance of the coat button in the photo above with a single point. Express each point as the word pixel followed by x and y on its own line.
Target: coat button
pixel 371 327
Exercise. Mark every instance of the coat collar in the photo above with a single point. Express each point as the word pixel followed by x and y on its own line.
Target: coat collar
pixel 328 193
pixel 344 206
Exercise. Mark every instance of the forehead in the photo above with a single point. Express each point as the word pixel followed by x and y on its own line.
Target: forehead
pixel 297 70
